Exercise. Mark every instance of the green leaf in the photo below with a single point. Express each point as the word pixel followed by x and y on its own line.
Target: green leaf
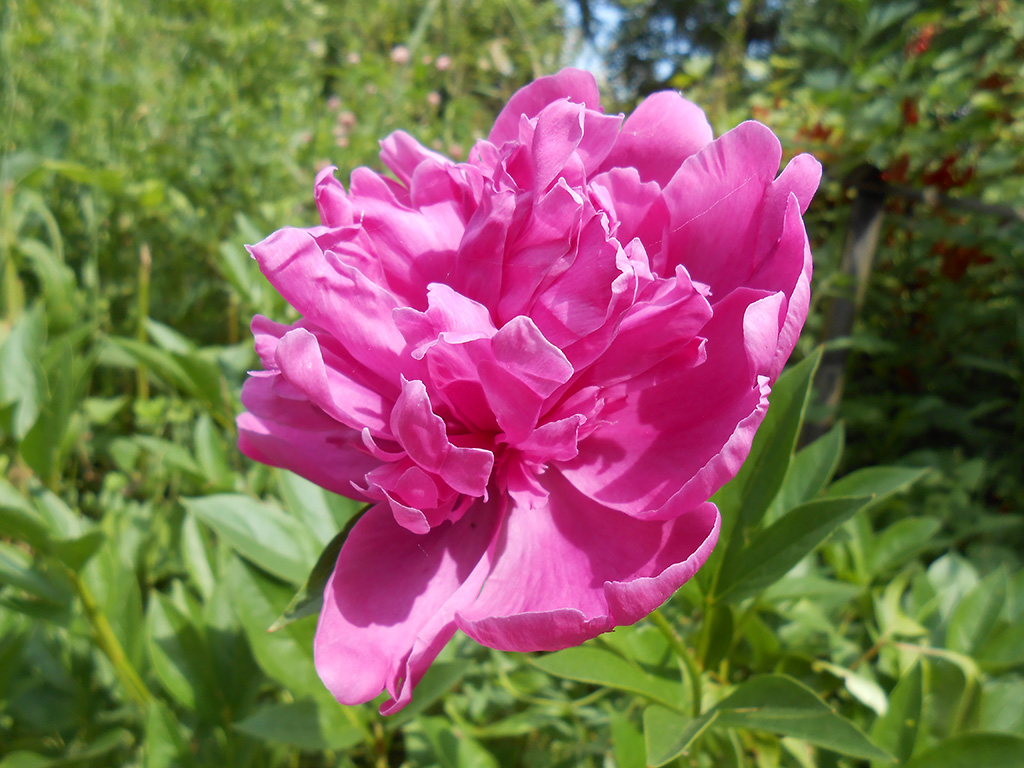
pixel 163 746
pixel 668 734
pixel 899 542
pixel 286 655
pixel 973 750
pixel 20 521
pixel 811 469
pixel 1004 648
pixel 627 741
pixel 897 729
pixel 180 655
pixel 745 498
pixel 774 551
pixel 455 749
pixel 323 512
pixel 22 381
pixel 75 553
pixel 261 532
pixel 303 724
pixel 976 614
pixel 310 598
pixel 782 705
pixel 862 688
pixel 877 482
pixel 590 664
pixel 439 678
pixel 18 571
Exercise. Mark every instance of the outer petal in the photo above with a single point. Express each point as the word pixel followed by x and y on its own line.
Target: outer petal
pixel 714 203
pixel 295 435
pixel 335 296
pixel 389 605
pixel 662 132
pixel 689 432
pixel 332 202
pixel 573 84
pixel 567 569
pixel 299 358
pixel 787 268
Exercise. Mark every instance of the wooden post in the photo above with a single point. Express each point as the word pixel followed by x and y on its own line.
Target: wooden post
pixel 867 209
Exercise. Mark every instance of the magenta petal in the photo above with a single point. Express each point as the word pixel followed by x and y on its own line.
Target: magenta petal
pixel 566 569
pixel 662 132
pixel 573 84
pixel 332 202
pixel 403 155
pixel 298 436
pixel 335 296
pixel 691 430
pixel 298 357
pixel 714 203
pixel 422 434
pixel 389 606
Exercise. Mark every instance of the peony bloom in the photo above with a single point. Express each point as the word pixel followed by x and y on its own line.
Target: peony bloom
pixel 536 366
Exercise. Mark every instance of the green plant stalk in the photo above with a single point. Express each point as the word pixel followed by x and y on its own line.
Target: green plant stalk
pixel 145 269
pixel 680 649
pixel 14 292
pixel 108 642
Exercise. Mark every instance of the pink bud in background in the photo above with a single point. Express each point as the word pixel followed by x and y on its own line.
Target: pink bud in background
pixel 400 54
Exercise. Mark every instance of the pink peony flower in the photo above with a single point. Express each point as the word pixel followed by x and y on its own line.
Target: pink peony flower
pixel 536 366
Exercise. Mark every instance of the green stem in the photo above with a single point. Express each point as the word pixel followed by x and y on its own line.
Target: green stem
pixel 109 644
pixel 677 645
pixel 145 269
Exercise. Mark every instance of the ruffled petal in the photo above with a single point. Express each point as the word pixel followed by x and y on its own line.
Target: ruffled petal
pixel 389 606
pixel 714 202
pixel 567 569
pixel 689 432
pixel 659 135
pixel 574 84
pixel 296 435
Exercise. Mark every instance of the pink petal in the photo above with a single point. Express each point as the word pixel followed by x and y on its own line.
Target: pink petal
pixel 573 84
pixel 566 568
pixel 714 203
pixel 403 155
pixel 298 436
pixel 299 358
pixel 335 296
pixel 422 434
pixel 688 433
pixel 787 268
pixel 662 132
pixel 389 606
pixel 332 202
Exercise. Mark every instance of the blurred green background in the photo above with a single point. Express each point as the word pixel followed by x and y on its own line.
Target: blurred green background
pixel 142 559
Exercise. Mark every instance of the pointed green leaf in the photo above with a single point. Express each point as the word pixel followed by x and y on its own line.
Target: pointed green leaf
pixel 261 532
pixel 668 734
pixel 973 750
pixel 590 664
pixel 774 551
pixel 976 614
pixel 897 729
pixel 782 705
pixel 878 482
pixel 747 496
pixel 303 724
pixel 811 469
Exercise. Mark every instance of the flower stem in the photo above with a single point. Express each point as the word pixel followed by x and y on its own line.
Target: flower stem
pixel 679 647
pixel 109 644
